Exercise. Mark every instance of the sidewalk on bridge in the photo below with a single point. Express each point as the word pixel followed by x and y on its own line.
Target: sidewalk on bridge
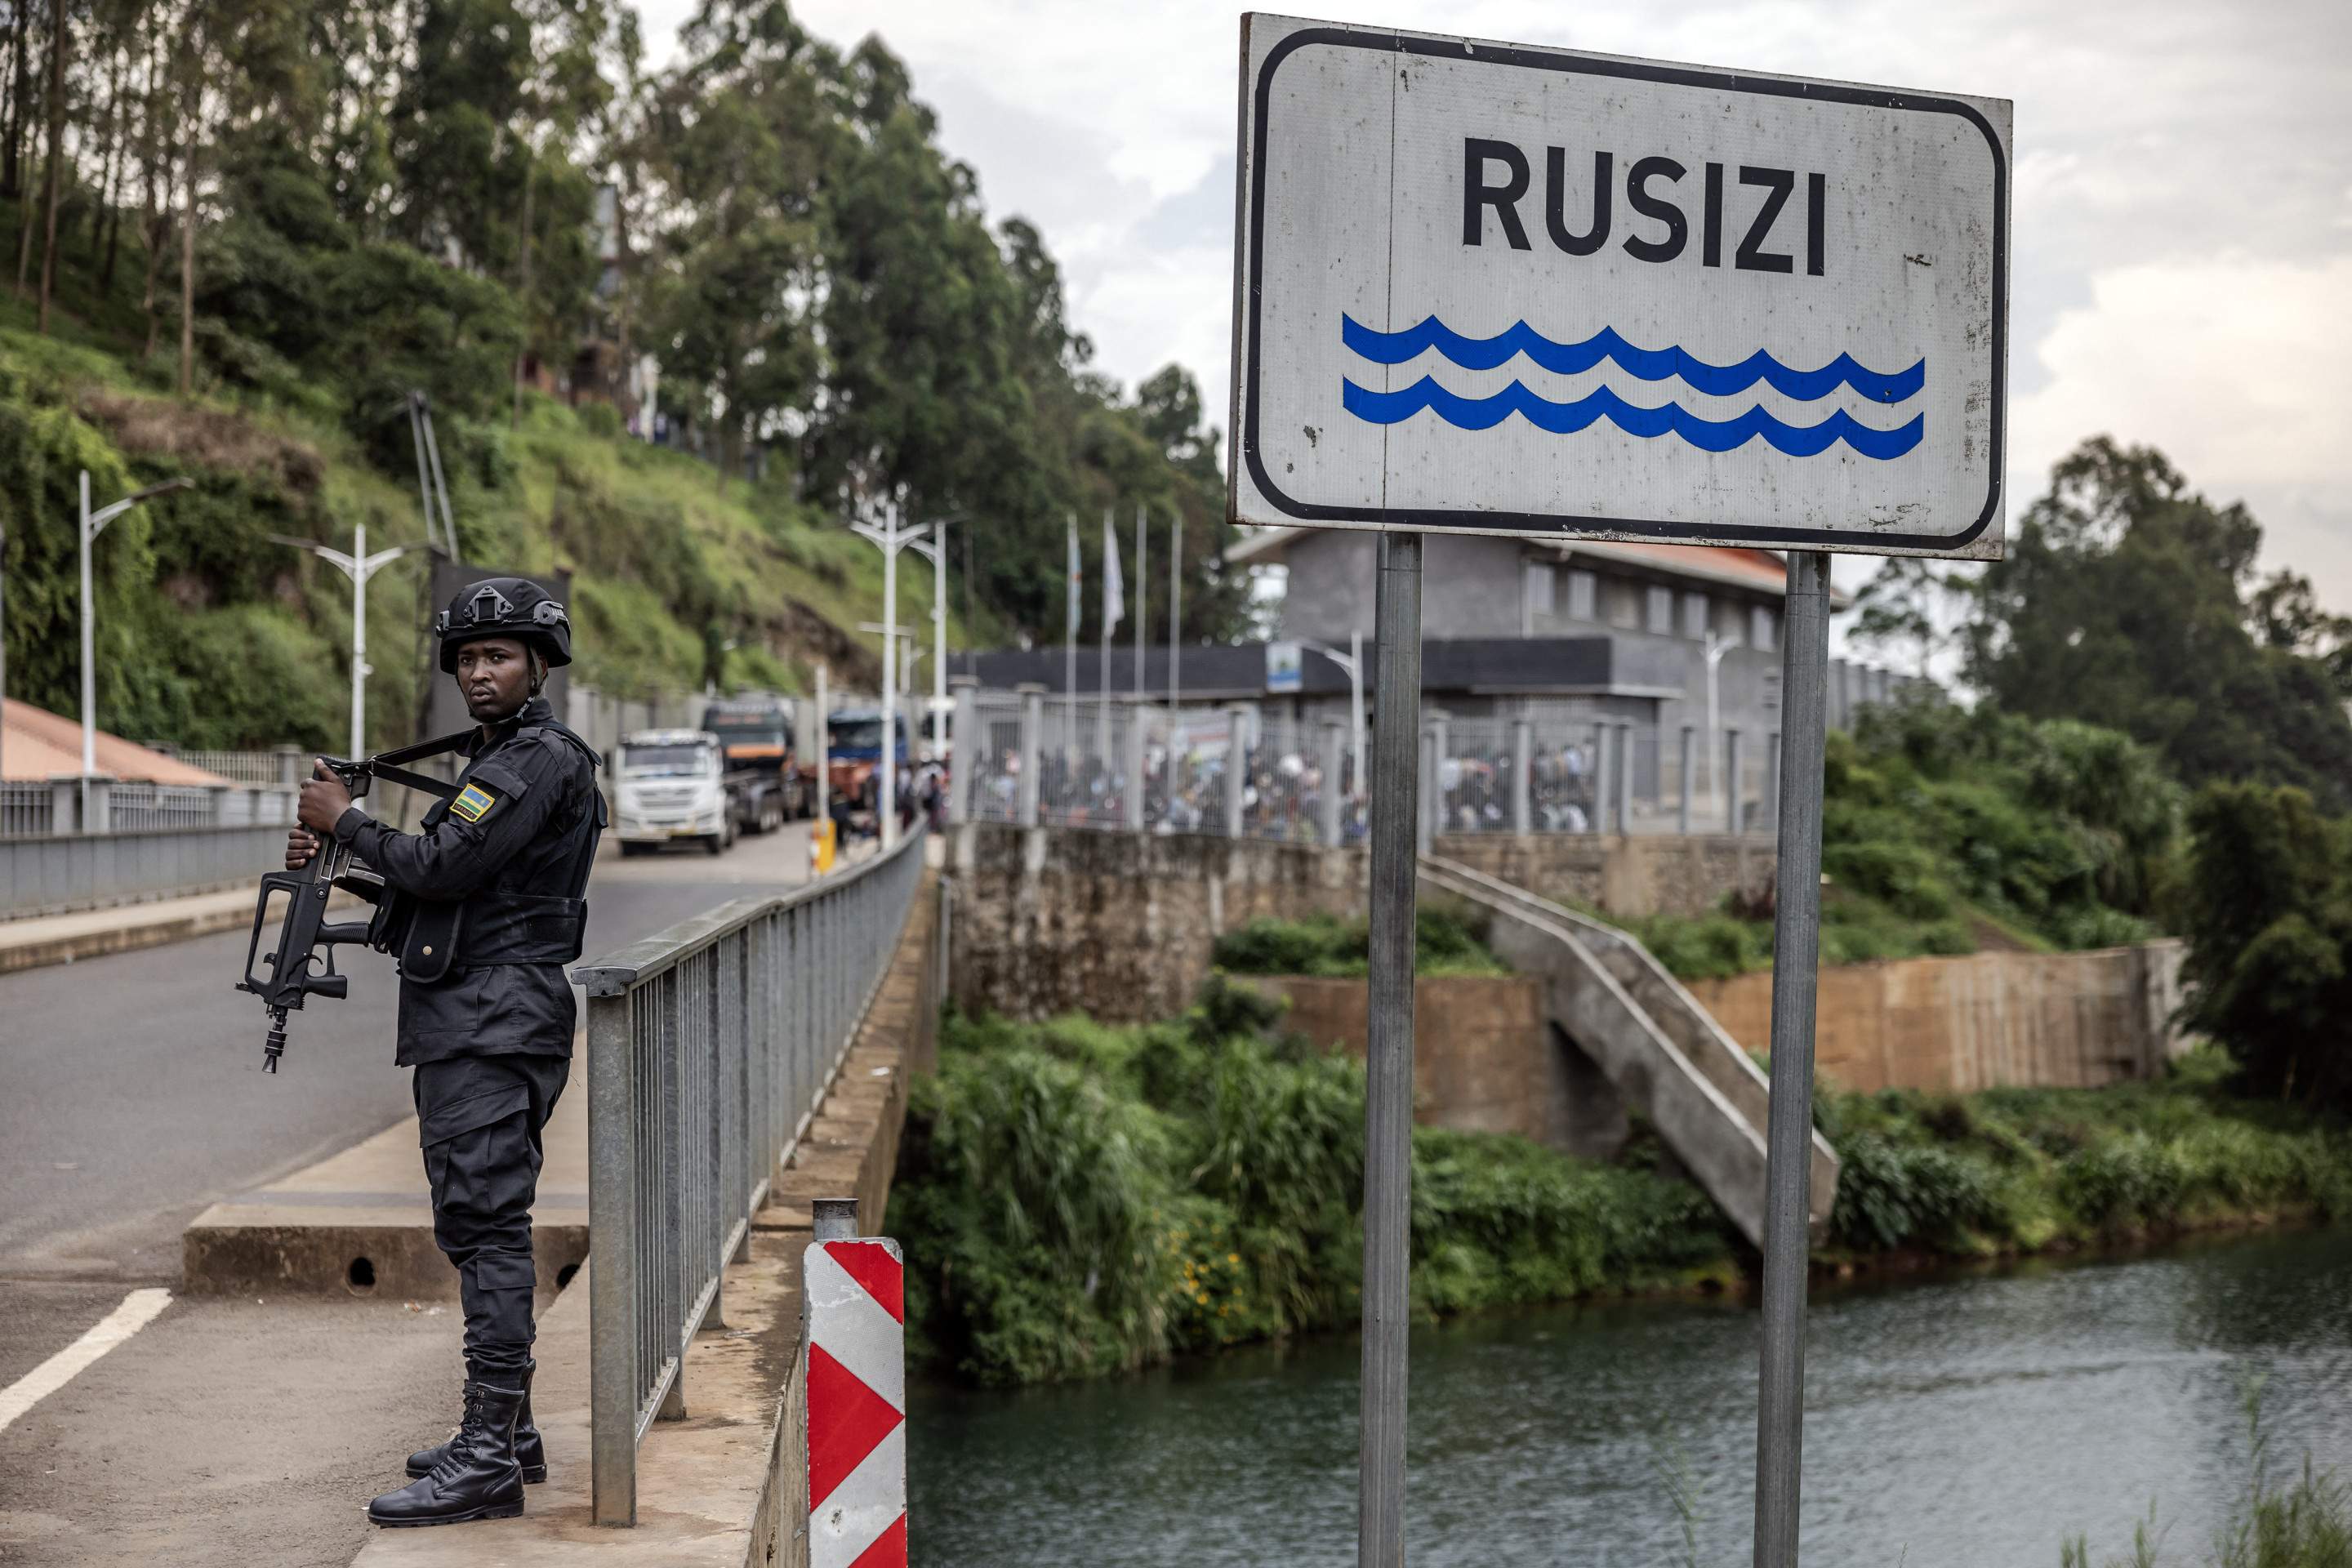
pixel 726 1485
pixel 361 1221
pixel 41 940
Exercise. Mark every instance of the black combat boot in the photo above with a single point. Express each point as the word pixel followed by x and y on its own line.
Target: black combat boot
pixel 529 1453
pixel 478 1477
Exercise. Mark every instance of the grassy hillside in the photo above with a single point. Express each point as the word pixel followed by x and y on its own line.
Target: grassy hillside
pixel 213 635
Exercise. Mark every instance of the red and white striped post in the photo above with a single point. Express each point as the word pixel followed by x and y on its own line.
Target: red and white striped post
pixel 856 1294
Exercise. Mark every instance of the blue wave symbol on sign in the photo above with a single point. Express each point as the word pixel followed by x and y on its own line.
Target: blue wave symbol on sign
pixel 1649 364
pixel 1671 419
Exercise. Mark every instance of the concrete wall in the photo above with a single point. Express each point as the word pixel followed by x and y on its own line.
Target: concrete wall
pixel 1490 1063
pixel 1119 925
pixel 2075 1020
pixel 1631 878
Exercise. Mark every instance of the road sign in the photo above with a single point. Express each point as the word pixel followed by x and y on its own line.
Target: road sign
pixel 1285 668
pixel 1489 289
pixel 854 1295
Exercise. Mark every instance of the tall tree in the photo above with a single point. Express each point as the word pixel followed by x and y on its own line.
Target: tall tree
pixel 56 158
pixel 2121 602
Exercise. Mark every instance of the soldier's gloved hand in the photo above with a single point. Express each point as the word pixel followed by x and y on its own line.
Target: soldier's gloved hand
pixel 300 845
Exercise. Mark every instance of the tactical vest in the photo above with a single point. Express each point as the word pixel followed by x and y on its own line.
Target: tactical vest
pixel 432 937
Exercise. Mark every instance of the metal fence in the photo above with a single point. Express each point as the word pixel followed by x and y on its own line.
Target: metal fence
pixel 1034 759
pixel 253 769
pixel 56 875
pixel 26 810
pixel 145 808
pixel 710 1049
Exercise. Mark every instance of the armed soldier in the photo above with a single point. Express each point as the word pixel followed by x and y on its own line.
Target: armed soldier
pixel 496 878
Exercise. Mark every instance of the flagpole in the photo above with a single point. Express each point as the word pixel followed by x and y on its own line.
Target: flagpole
pixel 1102 715
pixel 1142 616
pixel 1139 600
pixel 1070 648
pixel 1175 615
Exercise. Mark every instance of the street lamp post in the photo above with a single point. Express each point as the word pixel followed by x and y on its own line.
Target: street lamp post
pixel 359 567
pixel 92 524
pixel 890 538
pixel 1352 663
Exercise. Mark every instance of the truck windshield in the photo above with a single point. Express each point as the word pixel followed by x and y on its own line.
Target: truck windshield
pixel 659 761
pixel 857 735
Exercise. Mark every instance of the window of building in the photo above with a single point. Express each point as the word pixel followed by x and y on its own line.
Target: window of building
pixel 1538 588
pixel 1624 603
pixel 1694 616
pixel 1662 611
pixel 1583 596
pixel 1763 628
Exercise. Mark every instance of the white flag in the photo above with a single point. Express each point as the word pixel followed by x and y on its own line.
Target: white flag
pixel 1114 585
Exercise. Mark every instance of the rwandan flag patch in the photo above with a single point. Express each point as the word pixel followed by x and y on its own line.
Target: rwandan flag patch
pixel 473 802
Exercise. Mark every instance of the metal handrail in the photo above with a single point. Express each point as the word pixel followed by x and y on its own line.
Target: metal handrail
pixel 710 1047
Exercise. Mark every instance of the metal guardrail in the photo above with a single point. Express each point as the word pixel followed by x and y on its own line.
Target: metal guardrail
pixel 710 1047
pixel 26 810
pixel 85 871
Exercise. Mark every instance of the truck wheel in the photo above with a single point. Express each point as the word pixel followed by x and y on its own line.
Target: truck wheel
pixel 771 814
pixel 714 843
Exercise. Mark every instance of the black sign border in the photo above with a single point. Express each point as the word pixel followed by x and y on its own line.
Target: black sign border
pixel 1552 524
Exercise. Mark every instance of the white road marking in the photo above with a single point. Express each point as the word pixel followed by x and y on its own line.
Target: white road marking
pixel 139 1309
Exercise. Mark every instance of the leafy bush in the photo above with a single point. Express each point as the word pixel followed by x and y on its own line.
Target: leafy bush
pixel 2269 924
pixel 1940 820
pixel 1077 1198
pixel 2026 1169
pixel 1325 945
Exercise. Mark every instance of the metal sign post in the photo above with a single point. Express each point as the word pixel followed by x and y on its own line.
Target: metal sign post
pixel 1795 975
pixel 1387 1054
pixel 1488 288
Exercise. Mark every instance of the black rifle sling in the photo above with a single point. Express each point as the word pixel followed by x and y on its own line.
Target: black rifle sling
pixel 385 764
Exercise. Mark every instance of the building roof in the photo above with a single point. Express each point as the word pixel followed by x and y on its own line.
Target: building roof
pixel 1237 671
pixel 1759 571
pixel 39 744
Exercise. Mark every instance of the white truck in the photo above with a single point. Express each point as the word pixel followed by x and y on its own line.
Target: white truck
pixel 671 785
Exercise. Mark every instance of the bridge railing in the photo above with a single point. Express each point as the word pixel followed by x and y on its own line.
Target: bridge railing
pixel 710 1047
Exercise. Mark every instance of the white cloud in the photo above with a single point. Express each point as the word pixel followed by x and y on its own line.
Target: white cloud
pixel 2238 368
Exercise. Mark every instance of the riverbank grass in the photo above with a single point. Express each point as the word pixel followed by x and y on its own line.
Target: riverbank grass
pixel 2302 1522
pixel 2038 1170
pixel 1076 1199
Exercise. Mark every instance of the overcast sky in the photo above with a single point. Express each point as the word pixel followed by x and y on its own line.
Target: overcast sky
pixel 2183 199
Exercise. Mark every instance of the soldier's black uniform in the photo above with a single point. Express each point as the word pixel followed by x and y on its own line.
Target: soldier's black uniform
pixel 488 902
pixel 491 1037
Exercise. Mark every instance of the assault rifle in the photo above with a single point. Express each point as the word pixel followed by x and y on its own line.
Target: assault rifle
pixel 308 937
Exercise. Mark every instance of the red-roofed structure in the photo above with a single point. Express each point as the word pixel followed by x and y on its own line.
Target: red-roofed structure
pixel 37 744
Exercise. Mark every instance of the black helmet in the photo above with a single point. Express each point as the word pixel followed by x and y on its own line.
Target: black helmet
pixel 504 607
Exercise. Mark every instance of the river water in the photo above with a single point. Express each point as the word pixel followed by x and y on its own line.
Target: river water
pixel 1970 1422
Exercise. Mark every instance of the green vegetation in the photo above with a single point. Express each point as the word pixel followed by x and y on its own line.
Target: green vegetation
pixel 2025 1170
pixel 1946 830
pixel 1326 946
pixel 1076 1199
pixel 1081 1199
pixel 2269 926
pixel 496 203
pixel 2302 1522
pixel 2125 598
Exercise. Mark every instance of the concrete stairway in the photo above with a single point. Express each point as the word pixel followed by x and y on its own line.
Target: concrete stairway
pixel 1662 1050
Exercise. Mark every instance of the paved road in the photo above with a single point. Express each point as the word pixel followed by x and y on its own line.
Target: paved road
pixel 130 1100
